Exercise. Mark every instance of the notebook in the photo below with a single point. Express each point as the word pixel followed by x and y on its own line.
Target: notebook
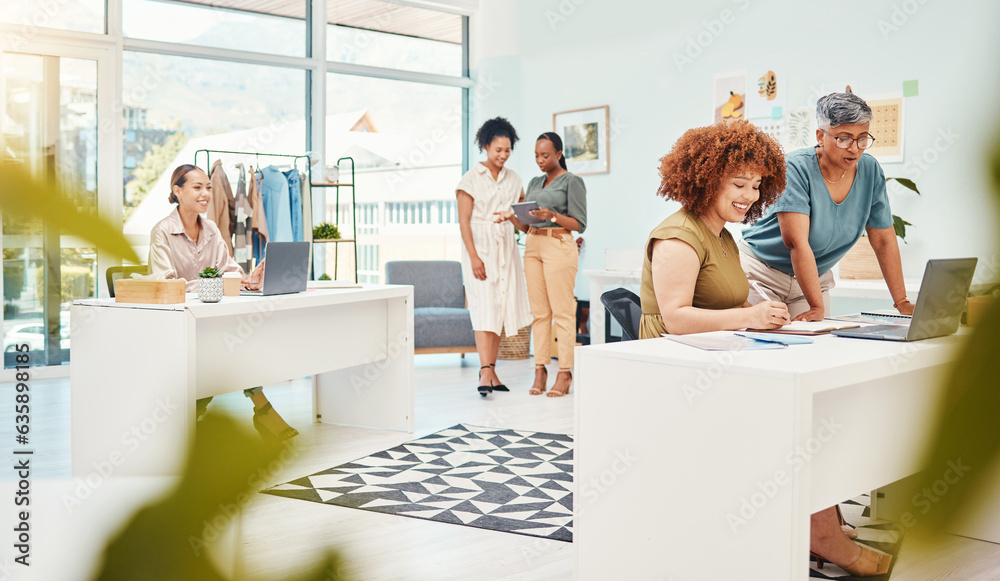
pixel 939 306
pixel 286 271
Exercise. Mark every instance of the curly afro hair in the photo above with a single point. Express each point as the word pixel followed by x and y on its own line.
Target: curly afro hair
pixel 703 157
pixel 496 127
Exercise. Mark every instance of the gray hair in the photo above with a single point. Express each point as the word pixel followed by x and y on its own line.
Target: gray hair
pixel 838 109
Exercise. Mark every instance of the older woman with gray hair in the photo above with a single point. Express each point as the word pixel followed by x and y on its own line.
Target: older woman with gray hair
pixel 834 194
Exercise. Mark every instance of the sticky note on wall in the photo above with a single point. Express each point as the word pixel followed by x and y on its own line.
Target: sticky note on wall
pixel 910 88
pixel 776 112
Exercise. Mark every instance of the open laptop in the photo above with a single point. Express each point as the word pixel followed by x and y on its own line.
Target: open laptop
pixel 286 271
pixel 939 305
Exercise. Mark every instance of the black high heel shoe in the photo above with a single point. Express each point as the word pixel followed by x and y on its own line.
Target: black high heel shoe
pixel 500 387
pixel 484 390
pixel 266 434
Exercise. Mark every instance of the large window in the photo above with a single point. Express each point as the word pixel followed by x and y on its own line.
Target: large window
pixel 234 75
pixel 395 36
pixel 219 26
pixel 175 106
pixel 30 16
pixel 406 140
pixel 50 126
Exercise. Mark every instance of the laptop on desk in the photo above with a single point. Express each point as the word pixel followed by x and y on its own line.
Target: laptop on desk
pixel 287 270
pixel 939 306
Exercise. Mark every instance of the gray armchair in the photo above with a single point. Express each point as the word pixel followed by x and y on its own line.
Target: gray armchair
pixel 441 323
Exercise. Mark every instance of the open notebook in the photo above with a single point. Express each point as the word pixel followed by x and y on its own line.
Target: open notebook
pixel 810 327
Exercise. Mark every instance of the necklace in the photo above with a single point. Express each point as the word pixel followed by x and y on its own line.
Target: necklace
pixel 722 246
pixel 823 173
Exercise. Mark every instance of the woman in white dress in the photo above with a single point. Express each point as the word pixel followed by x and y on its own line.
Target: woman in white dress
pixel 491 264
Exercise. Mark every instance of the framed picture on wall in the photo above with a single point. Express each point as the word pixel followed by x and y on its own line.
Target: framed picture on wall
pixel 586 140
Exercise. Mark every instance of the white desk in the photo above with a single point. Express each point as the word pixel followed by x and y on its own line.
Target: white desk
pixel 673 444
pixel 599 279
pixel 137 370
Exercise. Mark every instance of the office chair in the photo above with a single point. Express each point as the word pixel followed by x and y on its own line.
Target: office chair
pixel 116 272
pixel 624 306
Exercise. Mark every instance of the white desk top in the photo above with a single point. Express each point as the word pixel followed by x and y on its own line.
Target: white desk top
pixel 825 364
pixel 249 304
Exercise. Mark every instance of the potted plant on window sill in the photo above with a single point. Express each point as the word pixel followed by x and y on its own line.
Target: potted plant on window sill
pixel 210 285
pixel 861 262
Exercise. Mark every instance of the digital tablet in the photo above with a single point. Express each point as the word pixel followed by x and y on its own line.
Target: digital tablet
pixel 522 209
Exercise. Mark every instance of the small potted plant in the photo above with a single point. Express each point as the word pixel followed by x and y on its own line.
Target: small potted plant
pixel 325 231
pixel 210 285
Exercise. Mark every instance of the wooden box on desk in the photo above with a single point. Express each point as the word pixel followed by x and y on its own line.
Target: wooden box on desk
pixel 149 292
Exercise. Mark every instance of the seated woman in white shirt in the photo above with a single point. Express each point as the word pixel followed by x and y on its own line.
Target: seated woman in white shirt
pixel 182 245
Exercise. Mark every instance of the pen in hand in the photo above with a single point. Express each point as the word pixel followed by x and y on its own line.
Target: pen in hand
pixel 760 290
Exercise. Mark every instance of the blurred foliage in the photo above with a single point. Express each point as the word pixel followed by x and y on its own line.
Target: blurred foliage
pixel 324 276
pixel 967 433
pixel 144 176
pixel 167 540
pixel 25 196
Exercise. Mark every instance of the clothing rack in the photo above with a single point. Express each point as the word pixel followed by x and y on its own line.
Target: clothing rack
pixel 306 228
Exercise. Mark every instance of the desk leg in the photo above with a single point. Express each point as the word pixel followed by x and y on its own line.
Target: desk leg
pixel 596 312
pixel 679 484
pixel 377 394
pixel 132 392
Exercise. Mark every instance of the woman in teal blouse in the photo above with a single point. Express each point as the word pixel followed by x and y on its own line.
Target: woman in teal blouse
pixel 834 194
pixel 551 260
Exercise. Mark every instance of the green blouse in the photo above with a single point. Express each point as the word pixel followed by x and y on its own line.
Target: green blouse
pixel 566 195
pixel 721 282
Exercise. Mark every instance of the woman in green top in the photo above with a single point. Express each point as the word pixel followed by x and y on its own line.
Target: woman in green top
pixel 691 277
pixel 551 260
pixel 692 280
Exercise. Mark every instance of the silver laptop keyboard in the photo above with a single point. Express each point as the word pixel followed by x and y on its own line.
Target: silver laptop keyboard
pixel 888 330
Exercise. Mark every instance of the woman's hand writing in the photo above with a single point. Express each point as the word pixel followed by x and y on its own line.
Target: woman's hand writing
pixel 768 315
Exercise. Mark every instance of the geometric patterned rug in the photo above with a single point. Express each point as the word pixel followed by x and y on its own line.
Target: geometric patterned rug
pixel 882 535
pixel 503 480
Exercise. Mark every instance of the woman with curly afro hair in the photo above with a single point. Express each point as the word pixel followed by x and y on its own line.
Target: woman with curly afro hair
pixel 692 281
pixel 491 264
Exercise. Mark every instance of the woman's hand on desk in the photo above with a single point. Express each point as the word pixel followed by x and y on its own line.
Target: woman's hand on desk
pixel 767 315
pixel 905 308
pixel 813 314
pixel 256 278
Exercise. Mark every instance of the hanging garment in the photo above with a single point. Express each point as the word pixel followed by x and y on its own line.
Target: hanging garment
pixel 243 241
pixel 295 203
pixel 222 207
pixel 307 221
pixel 258 219
pixel 275 198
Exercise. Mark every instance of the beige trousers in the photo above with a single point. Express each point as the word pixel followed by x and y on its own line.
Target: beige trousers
pixel 781 286
pixel 550 265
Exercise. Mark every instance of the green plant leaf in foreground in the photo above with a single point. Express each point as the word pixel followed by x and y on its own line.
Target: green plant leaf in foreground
pixel 967 441
pixel 900 225
pixel 166 540
pixel 24 195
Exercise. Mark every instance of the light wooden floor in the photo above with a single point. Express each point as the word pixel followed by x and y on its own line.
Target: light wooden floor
pixel 282 535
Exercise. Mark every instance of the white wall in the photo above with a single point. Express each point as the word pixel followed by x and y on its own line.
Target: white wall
pixel 534 57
